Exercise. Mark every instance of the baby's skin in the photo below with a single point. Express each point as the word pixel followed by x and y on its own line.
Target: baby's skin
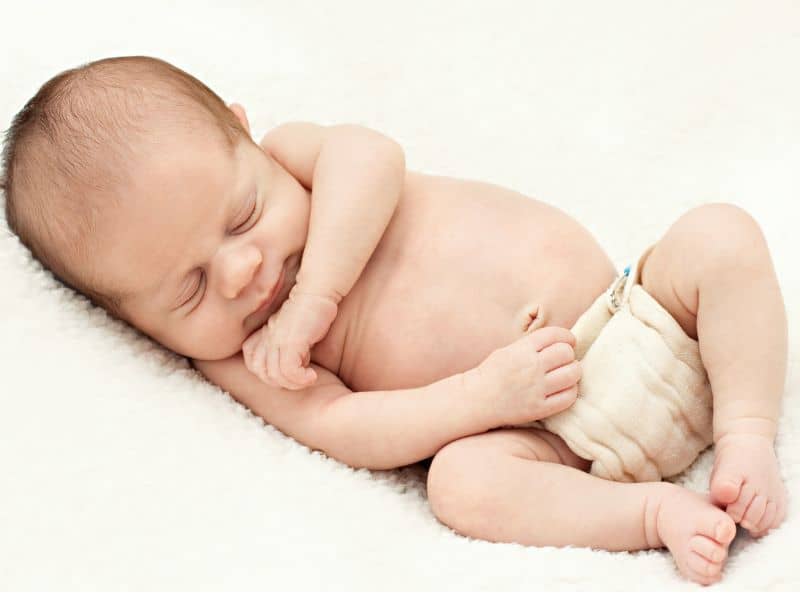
pixel 524 266
pixel 455 324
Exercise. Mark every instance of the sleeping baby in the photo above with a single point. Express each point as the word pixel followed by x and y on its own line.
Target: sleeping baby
pixel 387 317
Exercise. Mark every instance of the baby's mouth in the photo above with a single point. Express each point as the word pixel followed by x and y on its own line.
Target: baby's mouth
pixel 274 293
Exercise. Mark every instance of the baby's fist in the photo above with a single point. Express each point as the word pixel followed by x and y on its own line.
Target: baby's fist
pixel 279 353
pixel 265 360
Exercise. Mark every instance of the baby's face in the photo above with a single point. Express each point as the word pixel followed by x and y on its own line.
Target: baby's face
pixel 202 241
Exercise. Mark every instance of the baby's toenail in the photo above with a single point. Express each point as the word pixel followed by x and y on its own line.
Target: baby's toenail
pixel 720 531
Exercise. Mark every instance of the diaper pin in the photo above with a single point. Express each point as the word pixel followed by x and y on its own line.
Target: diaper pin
pixel 614 300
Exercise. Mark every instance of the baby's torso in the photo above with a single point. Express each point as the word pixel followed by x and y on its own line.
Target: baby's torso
pixel 459 270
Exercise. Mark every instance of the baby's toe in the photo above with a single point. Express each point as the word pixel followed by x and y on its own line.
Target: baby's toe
pixel 767 521
pixel 725 487
pixel 739 508
pixel 724 532
pixel 702 570
pixel 708 549
pixel 712 525
pixel 754 512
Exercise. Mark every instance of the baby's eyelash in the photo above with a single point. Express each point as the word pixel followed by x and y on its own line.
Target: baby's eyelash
pixel 197 289
pixel 202 273
pixel 199 283
pixel 250 216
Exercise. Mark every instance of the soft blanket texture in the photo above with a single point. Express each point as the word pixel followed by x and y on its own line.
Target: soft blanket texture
pixel 124 469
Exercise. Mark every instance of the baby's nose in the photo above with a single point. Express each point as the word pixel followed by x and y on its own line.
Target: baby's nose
pixel 238 270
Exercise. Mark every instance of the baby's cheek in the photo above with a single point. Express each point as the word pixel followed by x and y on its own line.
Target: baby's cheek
pixel 208 343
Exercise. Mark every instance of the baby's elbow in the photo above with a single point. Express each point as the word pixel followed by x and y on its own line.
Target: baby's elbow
pixel 375 144
pixel 392 151
pixel 391 160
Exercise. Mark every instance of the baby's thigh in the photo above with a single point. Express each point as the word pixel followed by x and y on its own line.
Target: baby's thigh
pixel 532 444
pixel 703 240
pixel 471 473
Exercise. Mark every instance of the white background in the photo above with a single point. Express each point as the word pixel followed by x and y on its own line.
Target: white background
pixel 123 469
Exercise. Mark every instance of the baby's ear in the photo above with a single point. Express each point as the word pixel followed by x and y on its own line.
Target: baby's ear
pixel 238 110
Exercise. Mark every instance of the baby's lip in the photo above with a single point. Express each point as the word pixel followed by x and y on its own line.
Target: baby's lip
pixel 272 294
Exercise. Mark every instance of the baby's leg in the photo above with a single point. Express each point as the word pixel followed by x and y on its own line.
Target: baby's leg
pixel 526 486
pixel 712 271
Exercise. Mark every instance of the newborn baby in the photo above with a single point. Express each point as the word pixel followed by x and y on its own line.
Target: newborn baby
pixel 385 316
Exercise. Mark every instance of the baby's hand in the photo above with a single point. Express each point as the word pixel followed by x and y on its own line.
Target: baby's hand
pixel 279 352
pixel 531 378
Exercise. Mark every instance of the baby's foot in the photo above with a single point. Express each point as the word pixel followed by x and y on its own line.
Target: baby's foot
pixel 696 532
pixel 746 482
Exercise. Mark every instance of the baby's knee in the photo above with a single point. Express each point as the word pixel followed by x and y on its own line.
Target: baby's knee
pixel 466 478
pixel 454 485
pixel 726 234
pixel 463 484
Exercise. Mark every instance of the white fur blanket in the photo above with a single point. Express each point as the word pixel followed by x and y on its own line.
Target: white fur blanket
pixel 123 469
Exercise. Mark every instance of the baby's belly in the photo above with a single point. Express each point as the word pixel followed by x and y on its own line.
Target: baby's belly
pixel 434 302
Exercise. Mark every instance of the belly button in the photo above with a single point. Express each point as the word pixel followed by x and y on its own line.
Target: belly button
pixel 531 317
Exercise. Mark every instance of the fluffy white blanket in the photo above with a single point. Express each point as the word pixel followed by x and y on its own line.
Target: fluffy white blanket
pixel 123 469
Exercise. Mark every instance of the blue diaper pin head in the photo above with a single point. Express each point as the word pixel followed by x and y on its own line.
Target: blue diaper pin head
pixel 615 293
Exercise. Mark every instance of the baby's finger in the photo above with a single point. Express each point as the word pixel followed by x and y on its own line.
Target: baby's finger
pixel 307 376
pixel 247 355
pixel 541 338
pixel 248 348
pixel 288 367
pixel 252 338
pixel 562 378
pixel 556 355
pixel 259 361
pixel 273 365
pixel 276 373
pixel 559 401
pixel 292 368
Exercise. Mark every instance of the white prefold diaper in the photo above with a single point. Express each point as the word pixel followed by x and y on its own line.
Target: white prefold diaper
pixel 644 407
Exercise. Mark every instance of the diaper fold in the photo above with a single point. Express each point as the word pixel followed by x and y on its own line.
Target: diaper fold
pixel 644 407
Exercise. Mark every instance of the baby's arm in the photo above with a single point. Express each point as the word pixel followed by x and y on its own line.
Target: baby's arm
pixel 530 379
pixel 376 429
pixel 355 176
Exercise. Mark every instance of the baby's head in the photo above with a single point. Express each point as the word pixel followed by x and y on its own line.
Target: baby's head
pixel 137 186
